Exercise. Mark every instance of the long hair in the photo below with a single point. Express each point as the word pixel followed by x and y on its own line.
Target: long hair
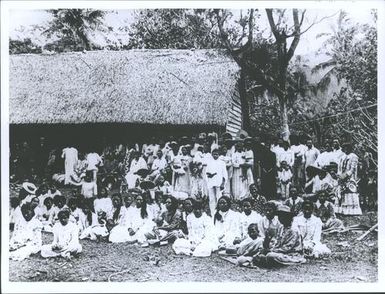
pixel 117 210
pixel 218 216
pixel 143 207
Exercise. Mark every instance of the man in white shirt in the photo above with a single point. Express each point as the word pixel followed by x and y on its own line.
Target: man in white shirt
pixel 311 154
pixel 216 179
pixel 337 153
pixel 325 157
pixel 286 155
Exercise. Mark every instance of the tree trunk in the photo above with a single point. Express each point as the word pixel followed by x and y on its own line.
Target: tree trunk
pixel 285 132
pixel 244 103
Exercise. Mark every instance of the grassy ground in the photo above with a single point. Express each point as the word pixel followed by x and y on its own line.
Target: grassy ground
pixel 357 262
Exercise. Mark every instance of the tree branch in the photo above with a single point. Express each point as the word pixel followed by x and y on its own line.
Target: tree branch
pixel 251 27
pixel 297 35
pixel 269 13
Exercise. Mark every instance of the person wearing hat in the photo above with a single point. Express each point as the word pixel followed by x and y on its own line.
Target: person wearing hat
pixel 348 176
pixel 287 250
pixel 310 228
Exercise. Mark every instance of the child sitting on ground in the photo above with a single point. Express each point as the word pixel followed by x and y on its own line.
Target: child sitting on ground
pixel 65 238
pixel 250 246
pixel 287 250
pixel 310 228
pixel 325 211
pixel 247 217
pixel 26 238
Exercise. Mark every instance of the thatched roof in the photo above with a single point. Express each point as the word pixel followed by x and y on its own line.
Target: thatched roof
pixel 135 86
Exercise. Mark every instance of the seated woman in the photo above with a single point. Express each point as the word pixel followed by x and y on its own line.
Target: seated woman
pixel 250 246
pixel 88 219
pixel 59 204
pixel 227 224
pixel 75 210
pixel 26 238
pixel 169 224
pixel 325 211
pixel 310 228
pixel 134 227
pixel 201 239
pixel 43 213
pixel 294 201
pixel 65 238
pixel 103 203
pixel 287 250
pixel 269 225
pixel 14 212
pixel 248 216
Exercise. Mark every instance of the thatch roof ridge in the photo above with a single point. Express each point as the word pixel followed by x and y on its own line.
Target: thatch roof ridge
pixel 162 86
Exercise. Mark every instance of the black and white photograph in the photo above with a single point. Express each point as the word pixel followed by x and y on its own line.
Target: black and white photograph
pixel 215 143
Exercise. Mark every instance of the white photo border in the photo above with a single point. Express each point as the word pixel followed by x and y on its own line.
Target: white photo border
pixel 190 287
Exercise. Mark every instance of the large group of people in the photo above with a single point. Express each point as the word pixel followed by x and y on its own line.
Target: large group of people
pixel 266 203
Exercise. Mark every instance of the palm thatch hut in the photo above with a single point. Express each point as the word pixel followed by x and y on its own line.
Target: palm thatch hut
pixel 120 95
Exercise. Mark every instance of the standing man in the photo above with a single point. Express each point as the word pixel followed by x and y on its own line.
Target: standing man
pixel 311 155
pixel 216 179
pixel 298 167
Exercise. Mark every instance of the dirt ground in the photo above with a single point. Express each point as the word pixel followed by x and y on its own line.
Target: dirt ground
pixel 352 261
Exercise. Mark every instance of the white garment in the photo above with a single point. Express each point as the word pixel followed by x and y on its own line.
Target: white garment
pixel 201 240
pixel 26 239
pixel 70 155
pixel 159 164
pixel 337 155
pixel 285 155
pixel 228 228
pixel 93 159
pixel 311 156
pixel 136 165
pixel 218 168
pixel 253 218
pixel 324 159
pixel 104 204
pixel 89 189
pixel 299 151
pixel 284 175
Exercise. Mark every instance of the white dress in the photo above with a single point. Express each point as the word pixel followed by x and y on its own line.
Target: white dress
pixel 136 165
pixel 133 220
pixel 253 218
pixel 104 204
pixel 240 186
pixel 70 155
pixel 228 228
pixel 67 237
pixel 26 239
pixel 310 230
pixel 201 240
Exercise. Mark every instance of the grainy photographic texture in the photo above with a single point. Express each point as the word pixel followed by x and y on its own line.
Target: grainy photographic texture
pixel 181 145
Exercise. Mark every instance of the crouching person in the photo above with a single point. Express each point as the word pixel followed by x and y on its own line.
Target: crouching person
pixel 288 247
pixel 65 238
pixel 26 238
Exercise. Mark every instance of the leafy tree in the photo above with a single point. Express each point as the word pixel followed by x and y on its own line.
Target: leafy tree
pixel 172 28
pixel 73 26
pixel 23 46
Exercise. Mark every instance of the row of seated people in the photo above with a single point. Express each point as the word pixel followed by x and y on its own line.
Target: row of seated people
pixel 277 233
